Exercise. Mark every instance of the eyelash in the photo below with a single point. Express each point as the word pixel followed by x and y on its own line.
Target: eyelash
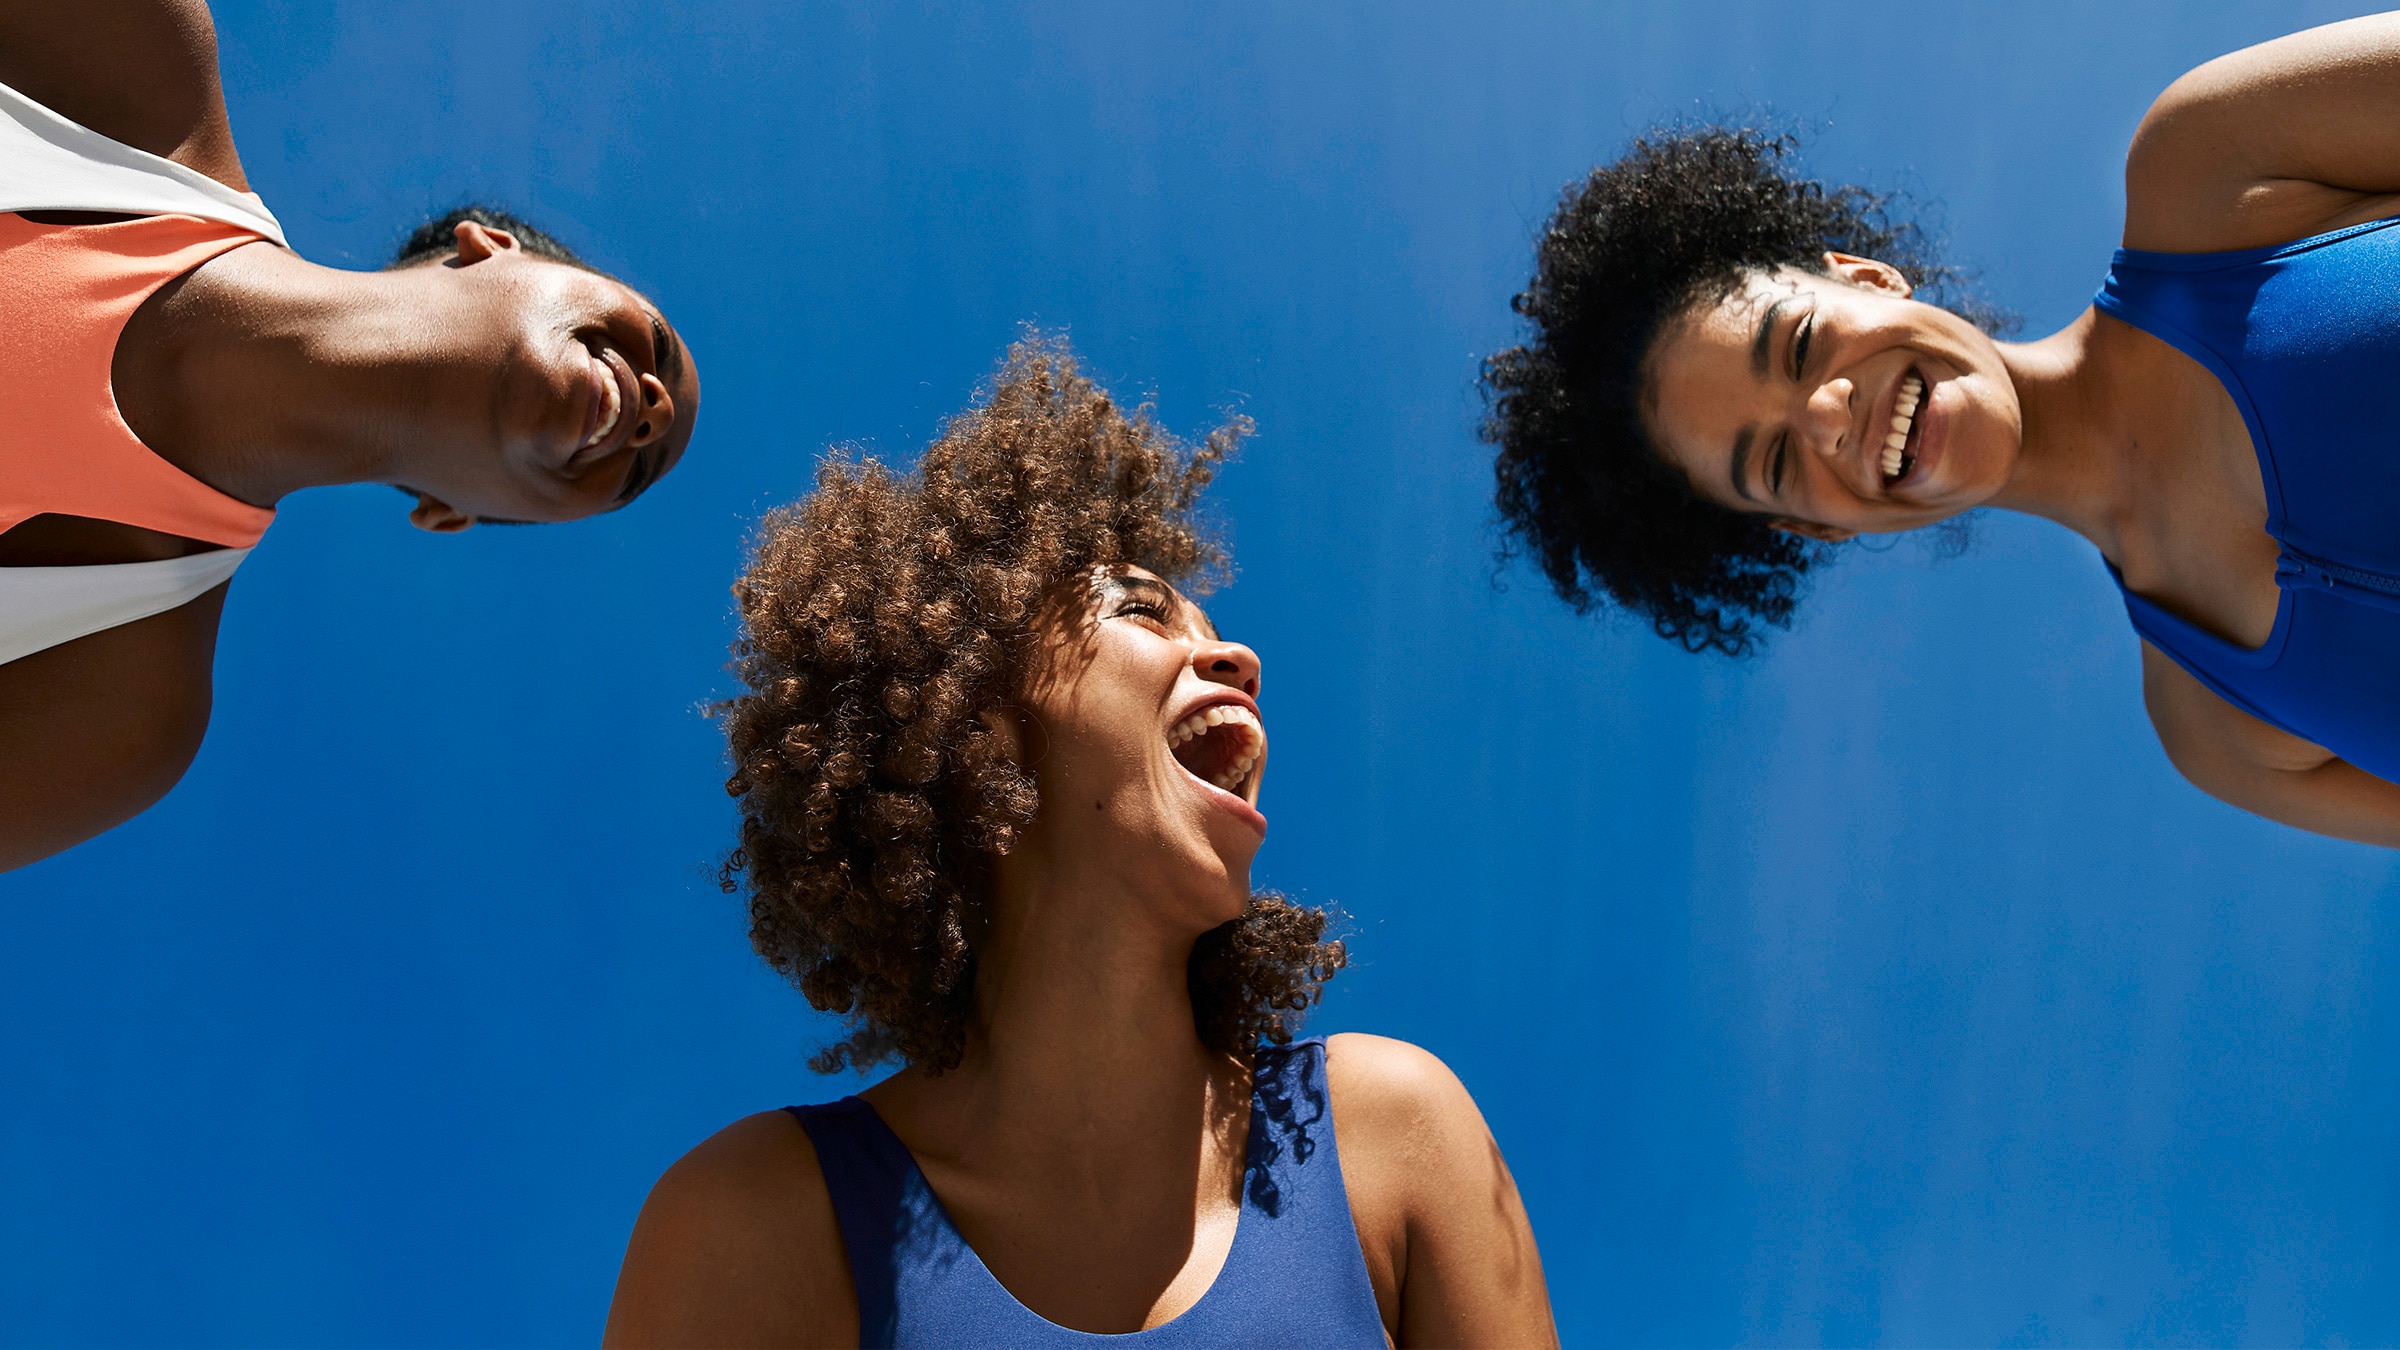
pixel 1150 607
pixel 1800 337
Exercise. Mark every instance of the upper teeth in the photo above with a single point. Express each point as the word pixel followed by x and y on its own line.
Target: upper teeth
pixel 1225 714
pixel 613 401
pixel 1904 415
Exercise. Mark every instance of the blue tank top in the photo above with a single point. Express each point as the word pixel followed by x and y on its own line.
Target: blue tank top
pixel 2306 338
pixel 1295 1274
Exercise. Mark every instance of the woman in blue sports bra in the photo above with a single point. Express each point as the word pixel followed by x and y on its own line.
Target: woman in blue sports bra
pixel 999 784
pixel 1731 369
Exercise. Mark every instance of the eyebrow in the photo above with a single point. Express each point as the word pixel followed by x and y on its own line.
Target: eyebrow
pixel 1741 462
pixel 668 350
pixel 638 478
pixel 1766 336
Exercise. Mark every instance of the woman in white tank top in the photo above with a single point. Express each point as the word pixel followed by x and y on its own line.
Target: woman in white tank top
pixel 487 373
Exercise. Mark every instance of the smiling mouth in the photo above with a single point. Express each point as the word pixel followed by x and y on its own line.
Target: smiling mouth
pixel 612 405
pixel 1220 745
pixel 1900 439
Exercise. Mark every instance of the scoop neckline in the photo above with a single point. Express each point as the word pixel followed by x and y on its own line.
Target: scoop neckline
pixel 1241 1230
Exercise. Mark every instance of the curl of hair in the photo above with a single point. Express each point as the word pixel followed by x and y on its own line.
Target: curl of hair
pixel 882 615
pixel 1678 222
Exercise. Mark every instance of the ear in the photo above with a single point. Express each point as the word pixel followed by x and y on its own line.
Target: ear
pixel 1809 529
pixel 478 242
pixel 1880 276
pixel 1007 730
pixel 438 517
pixel 1020 734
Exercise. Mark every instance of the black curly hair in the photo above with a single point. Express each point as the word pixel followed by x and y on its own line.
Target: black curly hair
pixel 1679 221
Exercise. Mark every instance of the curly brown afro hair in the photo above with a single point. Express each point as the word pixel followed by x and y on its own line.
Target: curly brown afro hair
pixel 881 616
pixel 1678 222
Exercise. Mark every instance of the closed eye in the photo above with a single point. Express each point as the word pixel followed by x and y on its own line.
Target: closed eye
pixel 1800 340
pixel 1783 445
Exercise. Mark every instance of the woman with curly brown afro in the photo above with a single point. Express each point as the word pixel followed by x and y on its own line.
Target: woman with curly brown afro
pixel 999 783
pixel 1733 370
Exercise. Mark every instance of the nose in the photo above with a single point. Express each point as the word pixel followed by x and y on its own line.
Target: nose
pixel 1828 417
pixel 656 416
pixel 1227 663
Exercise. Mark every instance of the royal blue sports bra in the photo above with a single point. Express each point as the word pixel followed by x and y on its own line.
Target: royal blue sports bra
pixel 2306 338
pixel 1295 1274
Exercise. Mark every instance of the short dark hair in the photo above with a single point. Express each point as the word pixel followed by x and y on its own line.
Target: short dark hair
pixel 438 238
pixel 1680 220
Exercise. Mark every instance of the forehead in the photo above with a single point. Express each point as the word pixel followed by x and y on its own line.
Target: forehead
pixel 1707 373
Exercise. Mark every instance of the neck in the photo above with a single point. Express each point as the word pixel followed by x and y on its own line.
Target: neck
pixel 328 371
pixel 2072 464
pixel 1083 1014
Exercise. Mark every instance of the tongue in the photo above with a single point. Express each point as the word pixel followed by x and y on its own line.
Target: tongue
pixel 1208 754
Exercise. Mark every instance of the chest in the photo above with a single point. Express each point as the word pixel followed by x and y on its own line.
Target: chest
pixel 1166 1231
pixel 2193 537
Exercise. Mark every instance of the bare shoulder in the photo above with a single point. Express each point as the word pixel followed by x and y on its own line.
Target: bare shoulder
pixel 1385 1084
pixel 736 1246
pixel 142 72
pixel 2275 142
pixel 1448 1245
pixel 1409 1131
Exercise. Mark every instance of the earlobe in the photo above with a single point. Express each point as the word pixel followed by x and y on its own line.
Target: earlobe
pixel 1860 271
pixel 438 517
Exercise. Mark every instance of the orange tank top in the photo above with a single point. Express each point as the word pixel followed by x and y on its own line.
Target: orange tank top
pixel 66 294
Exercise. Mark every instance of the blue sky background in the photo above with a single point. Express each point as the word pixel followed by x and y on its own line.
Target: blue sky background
pixel 1889 989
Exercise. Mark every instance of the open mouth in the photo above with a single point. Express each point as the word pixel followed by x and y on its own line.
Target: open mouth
pixel 1220 745
pixel 1900 438
pixel 610 405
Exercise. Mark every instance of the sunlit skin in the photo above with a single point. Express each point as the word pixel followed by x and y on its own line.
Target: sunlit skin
pixel 475 380
pixel 1776 399
pixel 478 382
pixel 1087 1116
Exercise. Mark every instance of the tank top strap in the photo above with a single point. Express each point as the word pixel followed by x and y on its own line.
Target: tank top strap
pixel 66 294
pixel 48 163
pixel 870 1178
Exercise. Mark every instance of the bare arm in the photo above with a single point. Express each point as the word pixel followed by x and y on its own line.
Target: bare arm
pixel 2244 762
pixel 737 1246
pixel 95 730
pixel 2271 143
pixel 143 72
pixel 1447 1242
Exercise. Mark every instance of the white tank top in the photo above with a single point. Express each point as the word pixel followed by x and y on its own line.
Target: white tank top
pixel 48 163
